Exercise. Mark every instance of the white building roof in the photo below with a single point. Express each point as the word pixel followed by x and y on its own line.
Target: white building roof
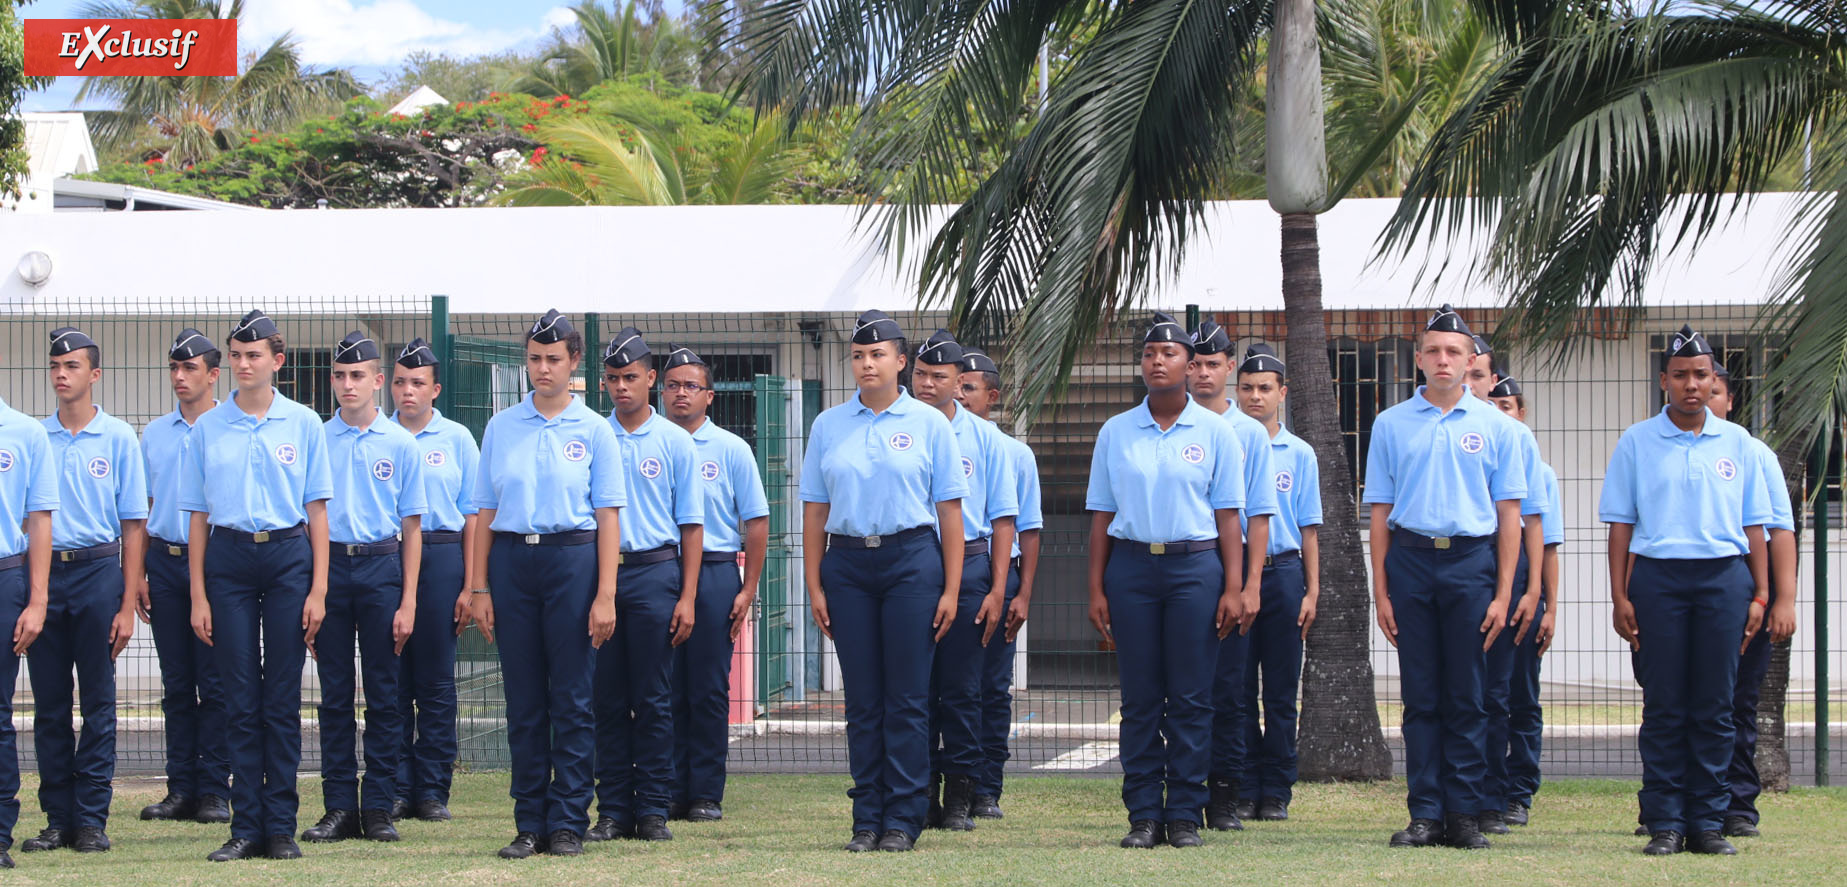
pixel 419 98
pixel 77 195
pixel 57 145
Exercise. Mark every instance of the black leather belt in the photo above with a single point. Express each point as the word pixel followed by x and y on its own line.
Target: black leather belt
pixel 568 537
pixel 648 556
pixel 366 549
pixel 8 563
pixel 93 553
pixel 975 547
pixel 1018 563
pixel 441 537
pixel 1409 539
pixel 1161 548
pixel 719 557
pixel 835 541
pixel 1283 558
pixel 261 536
pixel 170 549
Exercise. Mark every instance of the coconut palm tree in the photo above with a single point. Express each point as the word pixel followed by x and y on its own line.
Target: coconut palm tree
pixel 612 43
pixel 600 161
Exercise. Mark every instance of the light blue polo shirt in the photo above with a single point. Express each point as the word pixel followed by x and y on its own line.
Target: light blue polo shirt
pixel 101 481
pixel 1536 500
pixel 663 482
pixel 1552 520
pixel 549 475
pixel 1690 496
pixel 377 480
pixel 1782 514
pixel 991 492
pixel 1165 486
pixel 252 474
pixel 1026 488
pixel 161 441
pixel 733 488
pixel 28 476
pixel 1442 473
pixel 880 473
pixel 1260 495
pixel 1296 478
pixel 450 460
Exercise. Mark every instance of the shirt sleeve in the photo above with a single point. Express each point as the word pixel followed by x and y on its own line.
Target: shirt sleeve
pixel 1100 496
pixel 42 491
pixel 813 486
pixel 1552 522
pixel 1026 472
pixel 997 473
pixel 947 481
pixel 470 455
pixel 688 492
pixel 1776 486
pixel 131 488
pixel 1227 484
pixel 1507 478
pixel 1617 503
pixel 1535 501
pixel 608 488
pixel 314 446
pixel 486 495
pixel 1259 474
pixel 1306 488
pixel 190 489
pixel 413 496
pixel 1381 484
pixel 746 483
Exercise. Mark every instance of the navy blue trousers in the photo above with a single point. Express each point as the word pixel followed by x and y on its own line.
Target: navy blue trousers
pixel 363 594
pixel 1230 658
pixel 1745 784
pixel 1439 599
pixel 1525 718
pixel 955 678
pixel 191 699
pixel 881 602
pixel 426 686
pixel 1273 674
pixel 542 596
pixel 13 595
pixel 702 689
pixel 76 770
pixel 634 696
pixel 256 591
pixel 1497 696
pixel 997 701
pixel 1691 614
pixel 1161 612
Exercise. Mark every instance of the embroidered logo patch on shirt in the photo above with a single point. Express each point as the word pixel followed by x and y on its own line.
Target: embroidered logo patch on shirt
pixel 435 458
pixel 708 470
pixel 383 469
pixel 1726 468
pixel 968 467
pixel 1284 482
pixel 6 460
pixel 1471 442
pixel 901 441
pixel 1194 453
pixel 285 453
pixel 650 468
pixel 575 450
pixel 99 468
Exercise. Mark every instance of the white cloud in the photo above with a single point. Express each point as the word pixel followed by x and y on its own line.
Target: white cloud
pixel 379 32
pixel 559 17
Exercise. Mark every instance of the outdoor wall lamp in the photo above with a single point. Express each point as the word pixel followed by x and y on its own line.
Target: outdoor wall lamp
pixel 35 268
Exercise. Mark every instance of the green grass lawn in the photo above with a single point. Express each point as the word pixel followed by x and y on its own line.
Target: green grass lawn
pixel 786 830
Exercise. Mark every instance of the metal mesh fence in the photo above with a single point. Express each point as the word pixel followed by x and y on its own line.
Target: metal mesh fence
pixel 775 371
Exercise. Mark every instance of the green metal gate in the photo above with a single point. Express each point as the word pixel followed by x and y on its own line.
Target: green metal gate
pixel 775 627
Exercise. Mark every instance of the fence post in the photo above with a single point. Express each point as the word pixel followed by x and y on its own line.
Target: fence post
pixel 1192 317
pixel 444 347
pixel 1818 462
pixel 593 363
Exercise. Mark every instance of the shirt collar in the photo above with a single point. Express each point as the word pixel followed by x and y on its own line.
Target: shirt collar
pixel 704 431
pixel 430 427
pixel 1465 403
pixel 1667 428
pixel 646 428
pixel 904 404
pixel 55 426
pixel 526 409
pixel 1189 415
pixel 341 426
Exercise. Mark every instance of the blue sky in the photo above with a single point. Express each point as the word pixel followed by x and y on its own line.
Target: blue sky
pixel 369 36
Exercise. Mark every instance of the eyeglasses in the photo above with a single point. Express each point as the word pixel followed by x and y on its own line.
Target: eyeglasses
pixel 688 387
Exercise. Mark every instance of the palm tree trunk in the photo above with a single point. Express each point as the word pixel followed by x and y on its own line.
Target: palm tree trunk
pixel 1340 737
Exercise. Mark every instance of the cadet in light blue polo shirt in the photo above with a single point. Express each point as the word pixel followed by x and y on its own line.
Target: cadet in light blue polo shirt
pixel 375 525
pixel 1166 577
pixel 1291 588
pixel 1444 476
pixel 450 458
pixel 100 538
pixel 192 700
pixel 736 521
pixel 1684 493
pixel 254 474
pixel 550 486
pixel 987 525
pixel 663 543
pixel 881 475
pixel 28 497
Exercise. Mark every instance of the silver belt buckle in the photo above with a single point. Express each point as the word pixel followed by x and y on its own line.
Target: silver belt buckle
pixel 65 557
pixel 531 538
pixel 353 550
pixel 874 542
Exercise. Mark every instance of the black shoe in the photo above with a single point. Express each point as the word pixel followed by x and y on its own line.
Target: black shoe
pixel 676 811
pixel 432 810
pixel 49 839
pixel 213 809
pixel 986 807
pixel 283 847
pixel 1247 808
pixel 565 842
pixel 1739 827
pixel 1144 834
pixel 1492 822
pixel 704 811
pixel 6 860
pixel 607 829
pixel 1463 832
pixel 400 808
pixel 173 806
pixel 1641 831
pixel 863 842
pixel 1222 805
pixel 337 825
pixel 237 848
pixel 524 844
pixel 91 839
pixel 377 825
pixel 1420 833
pixel 896 841
pixel 958 803
pixel 1665 843
pixel 652 828
pixel 1711 841
pixel 1183 834
pixel 1272 810
pixel 1518 813
pixel 933 817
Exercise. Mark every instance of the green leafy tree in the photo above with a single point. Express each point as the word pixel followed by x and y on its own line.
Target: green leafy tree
pixel 613 43
pixel 608 162
pixel 456 79
pixel 13 86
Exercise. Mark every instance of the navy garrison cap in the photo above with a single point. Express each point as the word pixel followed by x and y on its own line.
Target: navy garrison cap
pixel 1163 328
pixel 1446 320
pixel 679 356
pixel 976 362
pixel 190 343
pixel 1718 369
pixel 550 329
pixel 876 326
pixel 66 339
pixel 1507 387
pixel 1211 338
pixel 627 347
pixel 1482 346
pixel 357 347
pixel 940 349
pixel 417 353
pixel 1688 343
pixel 254 327
pixel 1261 358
